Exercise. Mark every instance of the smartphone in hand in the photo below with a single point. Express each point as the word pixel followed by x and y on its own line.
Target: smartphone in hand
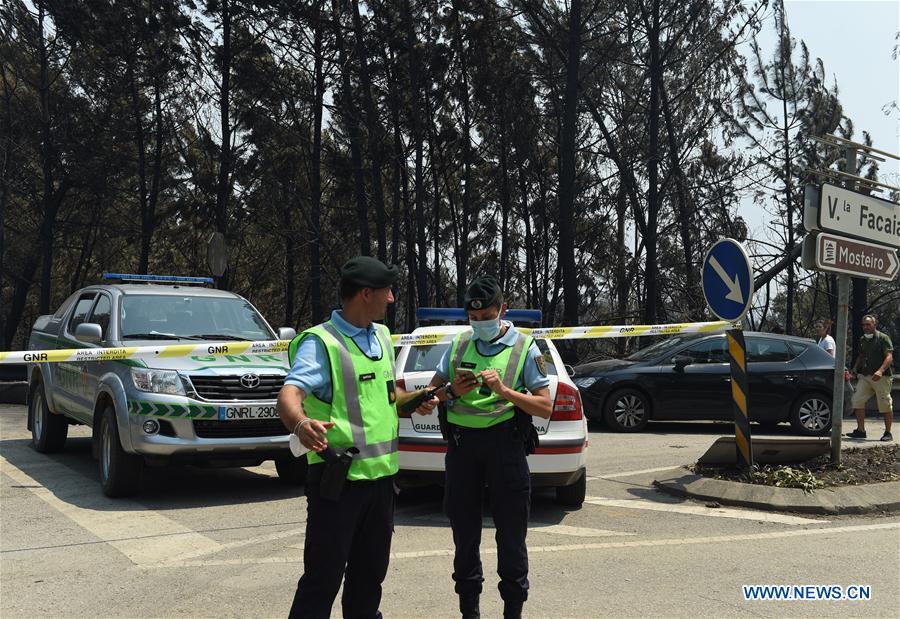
pixel 468 374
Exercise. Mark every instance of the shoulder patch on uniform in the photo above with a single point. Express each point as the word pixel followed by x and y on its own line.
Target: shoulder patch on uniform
pixel 541 364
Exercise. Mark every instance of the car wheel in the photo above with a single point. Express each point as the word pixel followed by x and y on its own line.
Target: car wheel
pixel 48 431
pixel 627 410
pixel 811 414
pixel 121 473
pixel 573 494
pixel 291 470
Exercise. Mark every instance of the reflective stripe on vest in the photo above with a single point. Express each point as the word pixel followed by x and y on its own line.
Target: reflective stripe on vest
pixel 511 373
pixel 351 396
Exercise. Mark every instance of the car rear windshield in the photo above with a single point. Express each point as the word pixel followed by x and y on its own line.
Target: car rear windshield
pixel 426 358
pixel 145 315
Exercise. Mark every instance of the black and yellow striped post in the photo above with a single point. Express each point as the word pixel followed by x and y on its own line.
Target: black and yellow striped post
pixel 740 397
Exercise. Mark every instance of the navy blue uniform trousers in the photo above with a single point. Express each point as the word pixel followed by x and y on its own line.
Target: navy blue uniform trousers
pixel 496 456
pixel 350 540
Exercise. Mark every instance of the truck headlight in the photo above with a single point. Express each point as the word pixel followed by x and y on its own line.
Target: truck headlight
pixel 585 381
pixel 157 381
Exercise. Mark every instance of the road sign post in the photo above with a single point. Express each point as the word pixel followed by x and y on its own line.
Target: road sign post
pixel 728 288
pixel 737 356
pixel 851 234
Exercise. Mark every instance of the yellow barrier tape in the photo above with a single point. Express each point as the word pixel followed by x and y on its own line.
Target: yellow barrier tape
pixel 280 346
pixel 144 352
pixel 577 333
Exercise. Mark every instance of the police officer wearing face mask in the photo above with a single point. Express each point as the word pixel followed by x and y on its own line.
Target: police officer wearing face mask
pixel 489 373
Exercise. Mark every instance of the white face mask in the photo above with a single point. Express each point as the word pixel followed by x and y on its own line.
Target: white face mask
pixel 486 330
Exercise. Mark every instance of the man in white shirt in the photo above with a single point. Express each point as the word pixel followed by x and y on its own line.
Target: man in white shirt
pixel 824 340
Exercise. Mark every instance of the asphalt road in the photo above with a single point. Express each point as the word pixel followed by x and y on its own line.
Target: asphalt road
pixel 228 543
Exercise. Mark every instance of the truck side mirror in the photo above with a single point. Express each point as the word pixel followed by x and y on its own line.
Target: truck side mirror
pixel 89 332
pixel 286 333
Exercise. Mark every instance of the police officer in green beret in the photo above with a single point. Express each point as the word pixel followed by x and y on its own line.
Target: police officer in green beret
pixel 490 373
pixel 340 398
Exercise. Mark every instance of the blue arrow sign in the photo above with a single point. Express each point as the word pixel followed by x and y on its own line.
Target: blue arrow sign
pixel 728 280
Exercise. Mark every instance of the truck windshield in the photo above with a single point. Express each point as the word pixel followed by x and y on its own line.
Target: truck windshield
pixel 146 316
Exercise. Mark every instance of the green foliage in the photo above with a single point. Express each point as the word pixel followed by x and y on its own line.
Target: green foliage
pixel 153 125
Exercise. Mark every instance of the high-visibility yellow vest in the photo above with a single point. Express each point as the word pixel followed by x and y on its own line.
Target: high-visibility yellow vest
pixel 481 408
pixel 363 401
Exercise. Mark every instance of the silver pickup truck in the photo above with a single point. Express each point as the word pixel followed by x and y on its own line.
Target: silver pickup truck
pixel 216 410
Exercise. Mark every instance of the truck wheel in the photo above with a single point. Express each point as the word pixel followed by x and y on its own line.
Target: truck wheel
pixel 121 473
pixel 291 470
pixel 572 495
pixel 48 431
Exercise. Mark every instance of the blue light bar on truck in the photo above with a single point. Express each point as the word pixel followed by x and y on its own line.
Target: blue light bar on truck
pixel 458 314
pixel 179 279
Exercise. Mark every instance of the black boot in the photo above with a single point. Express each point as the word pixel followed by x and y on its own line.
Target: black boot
pixel 468 606
pixel 512 610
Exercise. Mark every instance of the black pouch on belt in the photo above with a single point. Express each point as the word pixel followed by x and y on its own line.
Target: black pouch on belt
pixel 526 431
pixel 335 475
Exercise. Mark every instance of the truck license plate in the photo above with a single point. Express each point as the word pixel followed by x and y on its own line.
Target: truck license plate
pixel 239 413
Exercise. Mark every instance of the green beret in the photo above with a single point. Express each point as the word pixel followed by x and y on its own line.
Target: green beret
pixel 368 272
pixel 483 292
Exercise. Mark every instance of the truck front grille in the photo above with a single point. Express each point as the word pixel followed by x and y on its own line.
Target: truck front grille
pixel 213 428
pixel 229 388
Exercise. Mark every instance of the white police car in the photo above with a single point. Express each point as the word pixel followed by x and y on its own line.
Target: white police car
pixel 560 459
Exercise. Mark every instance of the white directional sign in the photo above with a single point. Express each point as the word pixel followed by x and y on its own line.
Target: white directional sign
pixel 852 214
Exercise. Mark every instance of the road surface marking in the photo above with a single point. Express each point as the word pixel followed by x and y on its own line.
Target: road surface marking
pixel 142 535
pixel 649 543
pixel 630 473
pixel 699 510
pixel 539 527
pixel 201 552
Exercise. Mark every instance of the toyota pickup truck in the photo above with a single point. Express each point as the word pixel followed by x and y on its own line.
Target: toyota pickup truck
pixel 215 410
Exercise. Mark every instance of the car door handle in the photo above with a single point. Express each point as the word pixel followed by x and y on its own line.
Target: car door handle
pixel 726 379
pixel 790 377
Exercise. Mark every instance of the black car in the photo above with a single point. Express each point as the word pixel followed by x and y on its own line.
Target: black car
pixel 688 377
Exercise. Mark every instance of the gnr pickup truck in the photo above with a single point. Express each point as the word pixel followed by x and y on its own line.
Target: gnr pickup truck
pixel 215 410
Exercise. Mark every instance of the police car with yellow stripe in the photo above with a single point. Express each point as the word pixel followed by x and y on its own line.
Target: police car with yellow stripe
pixel 560 459
pixel 211 410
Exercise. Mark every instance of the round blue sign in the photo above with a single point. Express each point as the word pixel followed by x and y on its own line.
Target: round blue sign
pixel 728 280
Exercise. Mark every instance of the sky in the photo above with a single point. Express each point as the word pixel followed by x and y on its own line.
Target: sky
pixel 855 40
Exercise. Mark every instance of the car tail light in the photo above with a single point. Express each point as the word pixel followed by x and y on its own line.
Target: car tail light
pixel 567 405
pixel 846 376
pixel 401 384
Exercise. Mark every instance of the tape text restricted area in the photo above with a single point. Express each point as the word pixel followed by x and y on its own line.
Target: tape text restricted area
pixel 430 338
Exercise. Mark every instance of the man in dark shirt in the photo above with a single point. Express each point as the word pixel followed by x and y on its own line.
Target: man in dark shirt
pixel 873 368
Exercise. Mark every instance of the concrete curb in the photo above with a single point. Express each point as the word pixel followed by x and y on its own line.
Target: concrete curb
pixel 842 500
